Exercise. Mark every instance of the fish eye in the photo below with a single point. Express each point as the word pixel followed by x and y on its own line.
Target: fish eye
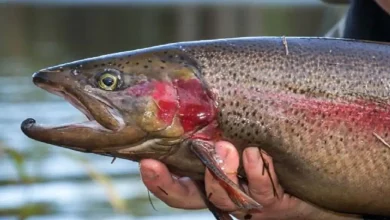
pixel 108 81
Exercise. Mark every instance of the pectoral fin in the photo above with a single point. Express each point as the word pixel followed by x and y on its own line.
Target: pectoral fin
pixel 205 150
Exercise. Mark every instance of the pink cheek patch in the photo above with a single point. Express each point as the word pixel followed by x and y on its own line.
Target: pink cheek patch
pixel 166 99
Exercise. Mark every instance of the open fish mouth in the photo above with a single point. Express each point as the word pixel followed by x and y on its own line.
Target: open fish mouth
pixel 100 114
pixel 104 128
pixel 61 91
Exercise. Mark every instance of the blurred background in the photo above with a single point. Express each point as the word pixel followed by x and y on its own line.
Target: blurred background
pixel 39 181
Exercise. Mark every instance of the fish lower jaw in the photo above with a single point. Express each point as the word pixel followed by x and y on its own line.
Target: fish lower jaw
pixel 30 124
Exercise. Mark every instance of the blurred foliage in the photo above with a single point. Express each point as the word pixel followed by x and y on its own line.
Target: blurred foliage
pixel 17 159
pixel 28 210
pixel 113 196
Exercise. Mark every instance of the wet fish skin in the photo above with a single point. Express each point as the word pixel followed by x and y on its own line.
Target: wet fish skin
pixel 315 106
pixel 318 106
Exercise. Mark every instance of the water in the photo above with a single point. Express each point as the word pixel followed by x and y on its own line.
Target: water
pixel 39 181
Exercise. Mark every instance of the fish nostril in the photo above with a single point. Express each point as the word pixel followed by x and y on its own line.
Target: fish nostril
pixel 40 77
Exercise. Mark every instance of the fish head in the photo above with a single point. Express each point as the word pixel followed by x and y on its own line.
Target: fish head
pixel 139 104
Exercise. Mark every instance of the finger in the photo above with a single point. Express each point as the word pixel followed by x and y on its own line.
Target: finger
pixel 175 192
pixel 218 195
pixel 263 185
pixel 245 214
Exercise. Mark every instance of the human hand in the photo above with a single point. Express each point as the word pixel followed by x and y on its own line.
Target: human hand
pixel 183 193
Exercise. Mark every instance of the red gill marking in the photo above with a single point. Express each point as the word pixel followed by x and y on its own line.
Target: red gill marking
pixel 187 98
pixel 165 97
pixel 196 107
pixel 211 132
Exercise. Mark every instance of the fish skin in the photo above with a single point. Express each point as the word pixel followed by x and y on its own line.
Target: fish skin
pixel 318 107
pixel 315 106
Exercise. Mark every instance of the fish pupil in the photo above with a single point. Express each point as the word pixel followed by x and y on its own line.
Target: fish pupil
pixel 108 81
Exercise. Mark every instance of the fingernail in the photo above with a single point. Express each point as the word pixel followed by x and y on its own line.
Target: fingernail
pixel 148 174
pixel 252 154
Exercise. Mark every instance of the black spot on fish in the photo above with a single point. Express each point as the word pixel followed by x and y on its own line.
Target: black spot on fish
pixel 254 113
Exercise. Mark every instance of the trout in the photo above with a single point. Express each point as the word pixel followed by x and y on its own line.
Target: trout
pixel 318 106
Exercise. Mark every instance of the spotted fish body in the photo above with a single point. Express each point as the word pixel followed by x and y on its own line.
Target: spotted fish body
pixel 319 107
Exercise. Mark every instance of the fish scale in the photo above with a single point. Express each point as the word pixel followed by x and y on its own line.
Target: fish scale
pixel 318 106
pixel 266 98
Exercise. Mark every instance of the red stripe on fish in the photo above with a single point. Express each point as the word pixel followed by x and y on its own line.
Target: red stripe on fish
pixel 360 113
